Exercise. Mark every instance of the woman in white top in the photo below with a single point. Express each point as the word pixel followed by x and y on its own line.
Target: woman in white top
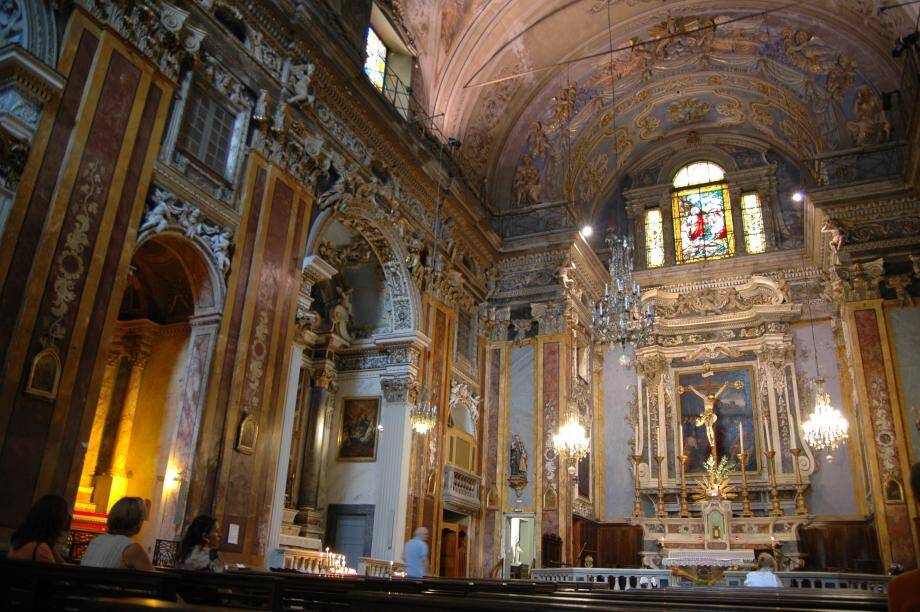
pixel 115 548
pixel 198 549
pixel 764 576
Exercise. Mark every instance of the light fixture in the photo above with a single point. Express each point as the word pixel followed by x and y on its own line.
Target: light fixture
pixel 424 415
pixel 586 231
pixel 571 441
pixel 618 316
pixel 798 196
pixel 826 428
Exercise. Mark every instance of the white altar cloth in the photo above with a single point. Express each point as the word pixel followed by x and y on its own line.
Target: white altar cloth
pixel 711 558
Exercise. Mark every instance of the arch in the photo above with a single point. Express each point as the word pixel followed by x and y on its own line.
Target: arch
pixel 701 153
pixel 32 26
pixel 206 283
pixel 405 304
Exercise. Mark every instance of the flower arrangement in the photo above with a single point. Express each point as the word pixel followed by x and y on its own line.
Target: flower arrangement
pixel 715 484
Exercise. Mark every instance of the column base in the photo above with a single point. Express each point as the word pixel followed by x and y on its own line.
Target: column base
pixel 109 489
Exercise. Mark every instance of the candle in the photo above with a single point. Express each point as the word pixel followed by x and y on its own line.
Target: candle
pixel 741 435
pixel 680 439
pixel 657 436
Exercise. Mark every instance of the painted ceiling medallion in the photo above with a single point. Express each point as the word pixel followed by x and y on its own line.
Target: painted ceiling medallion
pixel 690 110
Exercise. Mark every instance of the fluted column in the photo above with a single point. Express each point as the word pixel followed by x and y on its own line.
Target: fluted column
pixel 112 485
pixel 109 376
pixel 399 394
pixel 321 397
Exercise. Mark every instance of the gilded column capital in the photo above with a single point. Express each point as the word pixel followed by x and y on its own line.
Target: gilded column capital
pixel 399 389
pixel 324 377
pixel 859 281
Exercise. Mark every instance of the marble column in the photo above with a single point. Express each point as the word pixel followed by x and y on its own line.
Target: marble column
pixel 113 485
pixel 314 432
pixel 110 374
pixel 394 455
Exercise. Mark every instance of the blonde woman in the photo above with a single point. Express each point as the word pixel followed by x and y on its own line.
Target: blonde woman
pixel 764 576
pixel 116 548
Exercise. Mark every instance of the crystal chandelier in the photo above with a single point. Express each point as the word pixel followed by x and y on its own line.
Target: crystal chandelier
pixel 423 415
pixel 571 442
pixel 618 316
pixel 826 428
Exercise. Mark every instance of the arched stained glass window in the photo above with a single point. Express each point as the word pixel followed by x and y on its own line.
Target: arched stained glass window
pixel 375 59
pixel 702 213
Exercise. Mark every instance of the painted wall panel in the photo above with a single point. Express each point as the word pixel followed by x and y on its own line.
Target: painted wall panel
pixel 619 388
pixel 522 418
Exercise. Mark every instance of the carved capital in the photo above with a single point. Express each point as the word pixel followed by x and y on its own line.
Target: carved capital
pixel 324 377
pixel 399 389
pixel 859 281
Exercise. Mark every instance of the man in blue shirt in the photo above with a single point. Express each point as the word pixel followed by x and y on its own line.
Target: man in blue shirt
pixel 415 554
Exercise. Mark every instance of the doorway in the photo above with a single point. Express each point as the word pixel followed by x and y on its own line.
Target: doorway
pixel 518 545
pixel 454 550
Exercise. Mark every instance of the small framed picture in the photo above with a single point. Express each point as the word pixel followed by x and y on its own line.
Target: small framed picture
pixel 358 431
pixel 44 374
pixel 246 438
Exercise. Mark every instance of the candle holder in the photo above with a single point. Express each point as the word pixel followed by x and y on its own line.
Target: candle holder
pixel 745 497
pixel 637 506
pixel 800 508
pixel 684 508
pixel 661 512
pixel 775 508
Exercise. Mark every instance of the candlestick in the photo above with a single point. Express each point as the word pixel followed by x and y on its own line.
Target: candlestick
pixel 637 506
pixel 800 507
pixel 661 512
pixel 775 508
pixel 684 509
pixel 745 497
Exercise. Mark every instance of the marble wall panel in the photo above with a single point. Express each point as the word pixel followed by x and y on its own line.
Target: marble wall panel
pixel 905 325
pixel 619 388
pixel 490 465
pixel 522 418
pixel 832 484
pixel 551 416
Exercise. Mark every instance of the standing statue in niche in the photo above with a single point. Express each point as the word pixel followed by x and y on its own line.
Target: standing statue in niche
pixel 518 465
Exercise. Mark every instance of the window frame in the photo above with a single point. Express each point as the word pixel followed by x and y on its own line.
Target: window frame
pixel 201 91
pixel 367 57
pixel 744 222
pixel 648 238
pixel 678 192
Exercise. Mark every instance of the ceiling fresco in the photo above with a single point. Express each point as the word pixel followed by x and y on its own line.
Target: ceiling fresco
pixel 527 87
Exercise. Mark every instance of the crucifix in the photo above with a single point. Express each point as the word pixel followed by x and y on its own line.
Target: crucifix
pixel 708 417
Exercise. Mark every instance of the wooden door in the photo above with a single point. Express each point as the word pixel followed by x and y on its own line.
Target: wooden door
pixel 449 552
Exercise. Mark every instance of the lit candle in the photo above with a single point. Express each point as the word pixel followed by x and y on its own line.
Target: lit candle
pixel 741 435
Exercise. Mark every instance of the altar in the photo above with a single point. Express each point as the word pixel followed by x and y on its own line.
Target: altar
pixel 720 466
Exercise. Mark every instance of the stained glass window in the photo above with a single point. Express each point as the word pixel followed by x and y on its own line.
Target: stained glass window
pixel 702 214
pixel 654 239
pixel 752 216
pixel 375 63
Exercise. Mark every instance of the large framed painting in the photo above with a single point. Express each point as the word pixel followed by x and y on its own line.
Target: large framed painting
pixel 731 392
pixel 358 431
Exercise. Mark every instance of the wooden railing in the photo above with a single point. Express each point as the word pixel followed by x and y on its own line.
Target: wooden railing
pixel 616 579
pixel 381 568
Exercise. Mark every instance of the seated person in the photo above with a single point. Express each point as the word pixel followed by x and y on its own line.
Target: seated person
pixel 36 538
pixel 198 549
pixel 116 549
pixel 763 576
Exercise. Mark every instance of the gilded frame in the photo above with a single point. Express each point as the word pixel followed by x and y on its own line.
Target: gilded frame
pixel 353 408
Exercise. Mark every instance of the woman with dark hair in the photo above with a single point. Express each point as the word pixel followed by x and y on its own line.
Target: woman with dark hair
pixel 36 538
pixel 116 548
pixel 198 549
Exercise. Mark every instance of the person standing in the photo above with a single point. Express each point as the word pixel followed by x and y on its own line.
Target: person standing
pixel 415 554
pixel 904 590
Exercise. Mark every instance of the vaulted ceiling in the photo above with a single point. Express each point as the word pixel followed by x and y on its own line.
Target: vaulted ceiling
pixel 785 76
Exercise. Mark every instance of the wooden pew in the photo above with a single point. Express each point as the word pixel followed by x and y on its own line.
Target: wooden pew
pixel 44 586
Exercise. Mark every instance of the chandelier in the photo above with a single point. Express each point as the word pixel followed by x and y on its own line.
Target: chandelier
pixel 571 442
pixel 826 428
pixel 618 316
pixel 424 415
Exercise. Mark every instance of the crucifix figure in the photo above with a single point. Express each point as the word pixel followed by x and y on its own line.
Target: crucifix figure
pixel 708 417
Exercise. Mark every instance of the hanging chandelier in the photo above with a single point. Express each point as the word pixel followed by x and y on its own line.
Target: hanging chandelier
pixel 826 428
pixel 571 442
pixel 424 415
pixel 618 316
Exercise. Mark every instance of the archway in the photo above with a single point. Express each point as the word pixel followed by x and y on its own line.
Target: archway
pixel 146 421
